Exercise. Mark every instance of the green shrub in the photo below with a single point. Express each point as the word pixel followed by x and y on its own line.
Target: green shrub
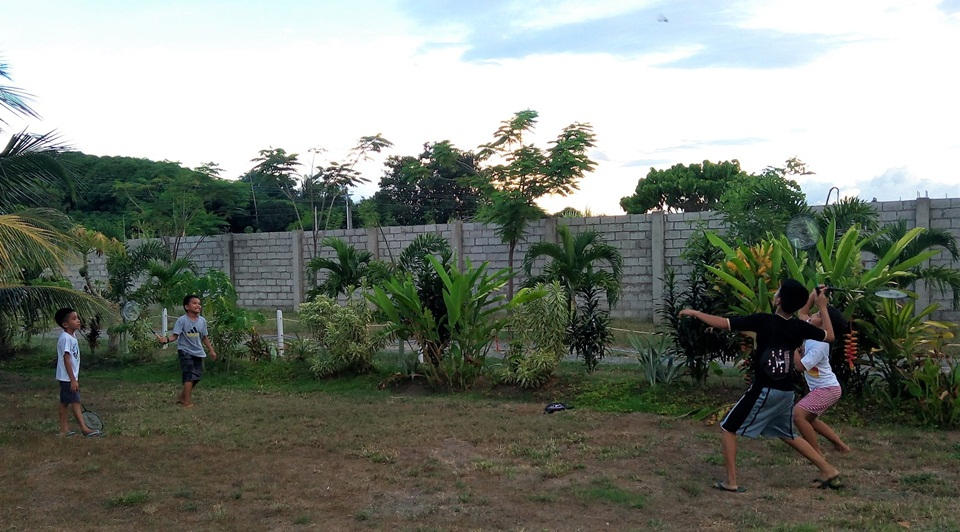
pixel 589 332
pixel 538 328
pixel 473 315
pixel 230 326
pixel 658 359
pixel 347 344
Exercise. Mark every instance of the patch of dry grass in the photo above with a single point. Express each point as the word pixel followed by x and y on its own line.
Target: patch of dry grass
pixel 267 459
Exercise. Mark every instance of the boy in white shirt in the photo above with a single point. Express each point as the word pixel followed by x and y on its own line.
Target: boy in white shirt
pixel 813 359
pixel 68 369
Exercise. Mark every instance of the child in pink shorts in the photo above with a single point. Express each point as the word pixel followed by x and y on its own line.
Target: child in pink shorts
pixel 813 359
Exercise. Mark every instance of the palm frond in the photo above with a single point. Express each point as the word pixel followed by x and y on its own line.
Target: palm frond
pixel 13 99
pixel 46 300
pixel 24 245
pixel 413 256
pixel 941 278
pixel 28 164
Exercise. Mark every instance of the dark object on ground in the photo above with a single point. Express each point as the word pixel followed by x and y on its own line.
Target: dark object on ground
pixel 719 485
pixel 556 407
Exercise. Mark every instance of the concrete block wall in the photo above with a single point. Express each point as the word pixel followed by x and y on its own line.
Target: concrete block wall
pixel 269 269
pixel 944 214
pixel 264 268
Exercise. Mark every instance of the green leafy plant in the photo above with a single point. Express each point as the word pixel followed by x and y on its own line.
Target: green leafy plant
pixel 589 332
pixel 141 343
pixel 936 392
pixel 473 316
pixel 301 349
pixel 574 262
pixel 347 344
pixel 259 349
pixel 658 359
pixel 700 345
pixel 346 269
pixel 538 330
pixel 900 334
pixel 229 324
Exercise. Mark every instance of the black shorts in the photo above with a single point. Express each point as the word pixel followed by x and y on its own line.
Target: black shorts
pixel 190 366
pixel 67 396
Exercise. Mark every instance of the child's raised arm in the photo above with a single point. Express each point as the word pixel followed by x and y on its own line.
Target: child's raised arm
pixel 717 322
pixel 822 304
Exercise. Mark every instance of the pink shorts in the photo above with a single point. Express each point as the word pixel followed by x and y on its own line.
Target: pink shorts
pixel 818 401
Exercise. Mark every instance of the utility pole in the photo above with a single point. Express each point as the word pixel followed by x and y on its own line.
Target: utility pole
pixel 346 198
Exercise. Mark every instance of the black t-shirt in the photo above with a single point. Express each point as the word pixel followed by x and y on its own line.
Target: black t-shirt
pixel 775 332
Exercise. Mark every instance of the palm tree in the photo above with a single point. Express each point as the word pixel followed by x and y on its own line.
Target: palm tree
pixel 848 212
pixel 511 212
pixel 346 269
pixel 575 264
pixel 939 277
pixel 32 240
pixel 13 99
pixel 167 282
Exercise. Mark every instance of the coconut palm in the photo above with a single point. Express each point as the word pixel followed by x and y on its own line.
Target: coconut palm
pixel 940 277
pixel 32 240
pixel 346 269
pixel 575 262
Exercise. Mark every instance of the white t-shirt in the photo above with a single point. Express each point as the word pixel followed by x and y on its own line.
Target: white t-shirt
pixel 816 360
pixel 68 344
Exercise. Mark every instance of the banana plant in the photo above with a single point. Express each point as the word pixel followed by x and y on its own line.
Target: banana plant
pixel 754 273
pixel 475 313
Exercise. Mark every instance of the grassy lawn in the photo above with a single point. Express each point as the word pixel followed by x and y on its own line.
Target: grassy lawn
pixel 268 447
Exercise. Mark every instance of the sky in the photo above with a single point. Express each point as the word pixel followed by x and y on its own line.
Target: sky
pixel 865 92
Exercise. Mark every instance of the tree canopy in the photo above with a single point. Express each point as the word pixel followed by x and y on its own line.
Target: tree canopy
pixel 686 188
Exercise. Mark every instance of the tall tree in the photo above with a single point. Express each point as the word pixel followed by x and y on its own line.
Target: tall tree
pixel 517 174
pixel 273 189
pixel 340 177
pixel 760 204
pixel 686 188
pixel 434 187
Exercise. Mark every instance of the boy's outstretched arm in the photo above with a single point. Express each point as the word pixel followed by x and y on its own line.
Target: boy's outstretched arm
pixel 167 339
pixel 717 322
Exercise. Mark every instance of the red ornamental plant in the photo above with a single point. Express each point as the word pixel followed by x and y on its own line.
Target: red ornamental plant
pixel 850 347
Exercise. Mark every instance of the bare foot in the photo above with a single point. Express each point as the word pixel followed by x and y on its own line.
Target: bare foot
pixel 185 405
pixel 829 475
pixel 842 449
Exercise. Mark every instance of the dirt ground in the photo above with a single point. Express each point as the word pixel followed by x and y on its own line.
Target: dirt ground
pixel 243 460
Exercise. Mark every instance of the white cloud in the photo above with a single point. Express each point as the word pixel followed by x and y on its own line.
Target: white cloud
pixel 885 100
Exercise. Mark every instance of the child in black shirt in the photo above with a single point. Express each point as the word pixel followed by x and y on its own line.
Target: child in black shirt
pixel 766 408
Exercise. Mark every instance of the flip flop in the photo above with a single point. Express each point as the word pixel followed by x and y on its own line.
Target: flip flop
pixel 831 483
pixel 719 485
pixel 93 434
pixel 68 434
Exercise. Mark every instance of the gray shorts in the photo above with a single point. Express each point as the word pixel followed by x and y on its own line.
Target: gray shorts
pixel 190 366
pixel 68 396
pixel 764 412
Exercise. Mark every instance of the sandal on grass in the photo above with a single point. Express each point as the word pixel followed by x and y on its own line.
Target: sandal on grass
pixel 719 485
pixel 831 483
